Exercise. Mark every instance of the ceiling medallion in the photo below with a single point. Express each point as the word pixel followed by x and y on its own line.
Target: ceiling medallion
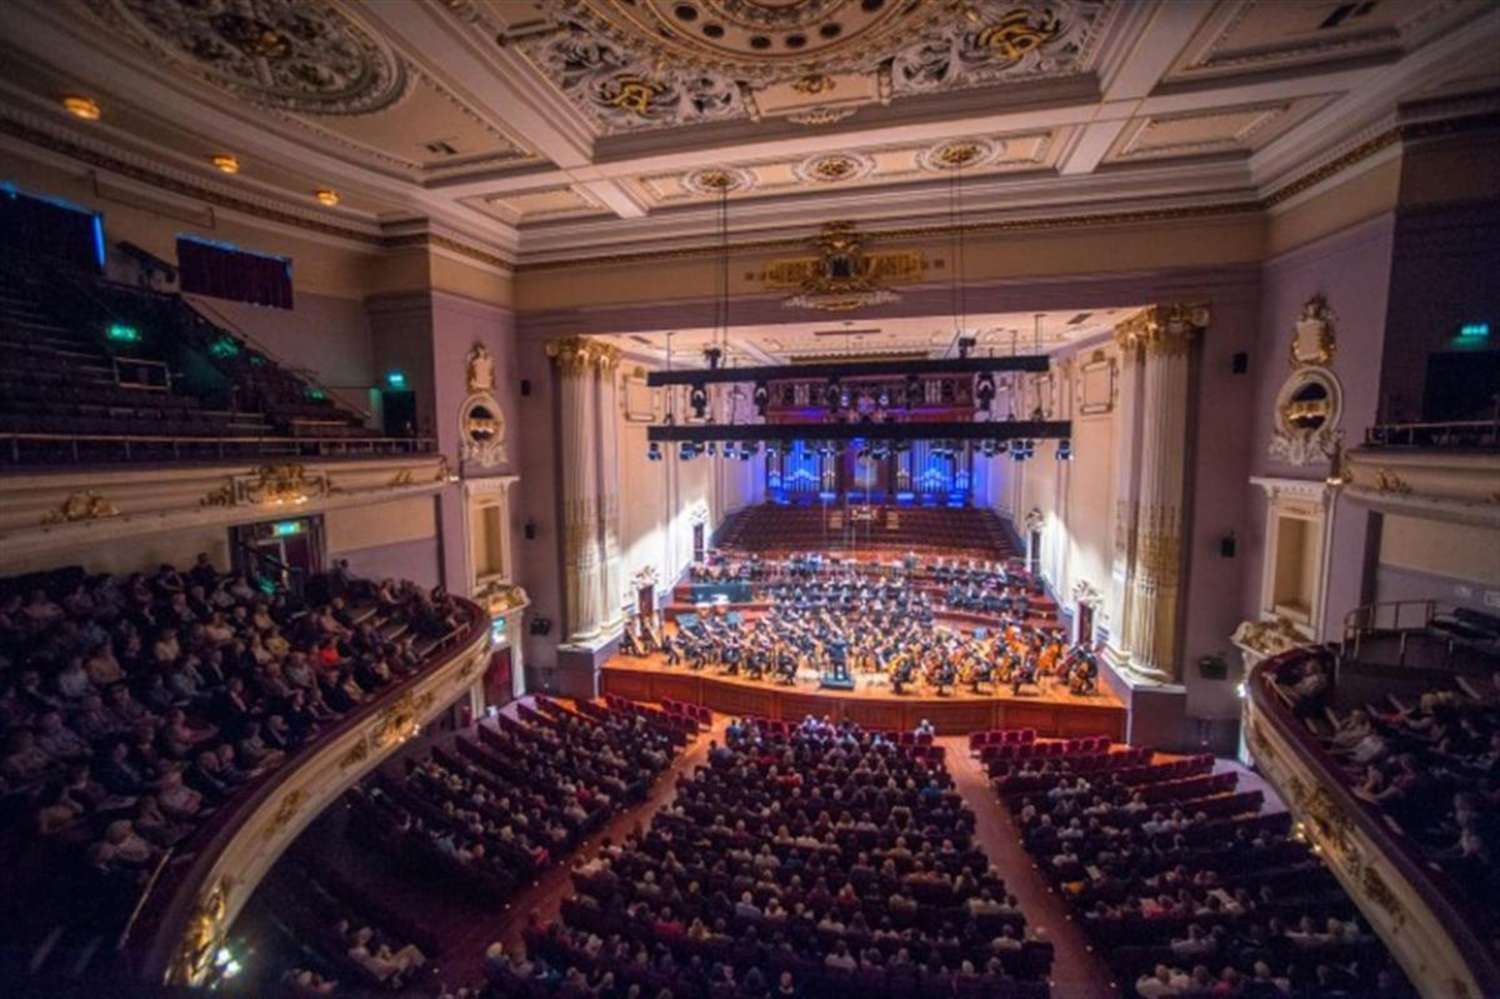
pixel 718 180
pixel 637 64
pixel 834 168
pixel 294 55
pixel 959 154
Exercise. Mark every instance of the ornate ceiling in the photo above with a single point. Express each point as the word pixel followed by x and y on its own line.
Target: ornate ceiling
pixel 543 131
pixel 643 64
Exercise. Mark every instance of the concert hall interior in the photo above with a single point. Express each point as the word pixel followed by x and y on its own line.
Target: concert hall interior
pixel 734 499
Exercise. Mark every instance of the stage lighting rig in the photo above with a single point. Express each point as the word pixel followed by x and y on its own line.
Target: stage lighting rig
pixel 698 399
pixel 761 397
pixel 1065 449
pixel 984 390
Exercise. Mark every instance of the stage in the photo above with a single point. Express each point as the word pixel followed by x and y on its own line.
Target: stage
pixel 1054 713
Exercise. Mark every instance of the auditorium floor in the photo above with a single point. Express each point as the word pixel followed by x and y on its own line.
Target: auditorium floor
pixel 468 928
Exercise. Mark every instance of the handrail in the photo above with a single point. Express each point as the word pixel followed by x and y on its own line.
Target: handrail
pixel 1389 434
pixel 263 444
pixel 164 914
pixel 1365 620
pixel 1463 922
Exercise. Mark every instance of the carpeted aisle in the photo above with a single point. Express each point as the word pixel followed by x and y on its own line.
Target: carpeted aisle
pixel 1077 972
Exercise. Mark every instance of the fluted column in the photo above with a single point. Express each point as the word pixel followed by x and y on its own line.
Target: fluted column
pixel 1164 335
pixel 608 417
pixel 577 375
pixel 1127 488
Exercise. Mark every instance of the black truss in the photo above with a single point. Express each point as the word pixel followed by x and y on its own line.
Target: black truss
pixel 999 430
pixel 850 369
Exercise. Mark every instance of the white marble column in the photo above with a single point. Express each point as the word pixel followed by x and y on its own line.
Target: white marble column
pixel 577 374
pixel 607 417
pixel 1154 609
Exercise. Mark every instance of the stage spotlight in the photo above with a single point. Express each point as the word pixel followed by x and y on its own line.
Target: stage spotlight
pixel 761 397
pixel 984 390
pixel 698 399
pixel 713 448
pixel 749 448
pixel 913 390
pixel 1065 449
pixel 1018 449
pixel 831 395
pixel 788 396
pixel 686 452
pixel 965 345
pixel 653 451
pixel 715 356
pixel 988 448
pixel 883 400
pixel 730 451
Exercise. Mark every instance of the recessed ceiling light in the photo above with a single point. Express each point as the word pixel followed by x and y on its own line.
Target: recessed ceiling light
pixel 82 107
pixel 327 196
pixel 225 163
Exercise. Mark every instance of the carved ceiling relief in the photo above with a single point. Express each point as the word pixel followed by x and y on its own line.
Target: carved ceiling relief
pixel 654 64
pixel 1310 403
pixel 286 54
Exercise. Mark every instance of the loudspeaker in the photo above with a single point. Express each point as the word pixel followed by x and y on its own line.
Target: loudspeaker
pixel 525 386
pixel 541 626
pixel 1241 363
pixel 1226 545
pixel 529 529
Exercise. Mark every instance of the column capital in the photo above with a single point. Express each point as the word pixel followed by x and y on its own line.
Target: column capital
pixel 582 352
pixel 1162 329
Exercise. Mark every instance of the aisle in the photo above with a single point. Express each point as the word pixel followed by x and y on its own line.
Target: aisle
pixel 1077 972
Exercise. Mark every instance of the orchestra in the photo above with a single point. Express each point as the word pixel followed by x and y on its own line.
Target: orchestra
pixel 840 620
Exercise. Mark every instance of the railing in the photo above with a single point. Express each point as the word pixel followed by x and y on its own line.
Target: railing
pixel 257 445
pixel 171 911
pixel 1453 433
pixel 1388 617
pixel 1445 945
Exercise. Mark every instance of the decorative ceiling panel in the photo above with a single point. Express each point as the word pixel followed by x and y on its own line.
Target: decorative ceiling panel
pixel 647 64
pixel 1259 35
pixel 316 66
pixel 978 156
pixel 1225 130
pixel 551 203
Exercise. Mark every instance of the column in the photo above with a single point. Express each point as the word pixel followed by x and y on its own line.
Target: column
pixel 1166 339
pixel 607 415
pixel 577 395
pixel 1127 477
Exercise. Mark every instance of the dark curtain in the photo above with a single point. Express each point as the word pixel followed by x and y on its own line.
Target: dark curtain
pixel 207 269
pixel 33 227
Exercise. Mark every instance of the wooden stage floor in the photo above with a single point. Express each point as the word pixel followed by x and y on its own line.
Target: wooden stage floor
pixel 1053 713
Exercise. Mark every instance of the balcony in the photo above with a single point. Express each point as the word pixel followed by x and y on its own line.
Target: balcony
pixel 1448 471
pixel 193 897
pixel 1436 930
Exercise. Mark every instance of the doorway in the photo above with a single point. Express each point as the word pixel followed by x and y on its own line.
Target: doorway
pixel 398 409
pixel 699 542
pixel 645 602
pixel 499 689
pixel 286 553
pixel 1034 552
pixel 1084 634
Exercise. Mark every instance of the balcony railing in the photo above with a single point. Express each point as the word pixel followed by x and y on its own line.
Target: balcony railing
pixel 186 908
pixel 1455 433
pixel 1440 937
pixel 20 448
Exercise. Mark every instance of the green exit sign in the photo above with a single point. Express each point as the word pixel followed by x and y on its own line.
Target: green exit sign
pixel 1474 331
pixel 286 528
pixel 123 333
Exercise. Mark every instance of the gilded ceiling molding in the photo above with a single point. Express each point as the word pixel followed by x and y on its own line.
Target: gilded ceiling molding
pixel 1162 329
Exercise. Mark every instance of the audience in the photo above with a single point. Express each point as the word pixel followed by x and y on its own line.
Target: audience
pixel 134 707
pixel 802 860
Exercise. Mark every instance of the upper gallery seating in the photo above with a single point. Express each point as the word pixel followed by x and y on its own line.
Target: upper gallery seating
pixel 948 530
pixel 1182 882
pixel 93 370
pixel 134 708
pixel 817 859
pixel 1427 760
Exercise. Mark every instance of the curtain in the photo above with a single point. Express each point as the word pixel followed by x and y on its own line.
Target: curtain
pixel 36 227
pixel 224 272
